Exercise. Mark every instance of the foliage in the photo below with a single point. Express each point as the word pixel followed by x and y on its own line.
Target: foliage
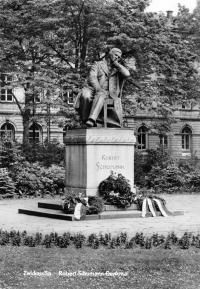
pixel 7 186
pixel 117 191
pixel 48 47
pixel 161 179
pixel 16 238
pixel 161 156
pixel 159 171
pixel 94 205
pixel 32 178
pixel 10 152
pixel 47 153
pixel 173 178
pixel 25 56
pixel 145 193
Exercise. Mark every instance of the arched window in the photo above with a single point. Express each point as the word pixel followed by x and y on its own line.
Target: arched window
pixel 186 138
pixel 7 131
pixel 142 138
pixel 35 133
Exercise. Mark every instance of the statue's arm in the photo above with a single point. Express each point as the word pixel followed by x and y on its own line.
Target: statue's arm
pixel 93 77
pixel 122 70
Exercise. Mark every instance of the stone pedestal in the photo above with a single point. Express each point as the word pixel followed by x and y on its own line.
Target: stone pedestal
pixel 91 154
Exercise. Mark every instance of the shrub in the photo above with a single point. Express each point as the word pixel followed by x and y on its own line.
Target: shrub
pixel 47 242
pixel 173 178
pixel 7 186
pixel 148 243
pixel 15 238
pixel 47 153
pixel 91 239
pixel 30 178
pixel 167 244
pixel 170 179
pixel 78 240
pixel 4 238
pixel 160 171
pixel 63 241
pixel 143 164
pixel 29 241
pixel 10 153
pixel 184 242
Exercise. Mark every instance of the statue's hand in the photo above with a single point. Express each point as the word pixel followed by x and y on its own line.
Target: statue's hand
pixel 116 64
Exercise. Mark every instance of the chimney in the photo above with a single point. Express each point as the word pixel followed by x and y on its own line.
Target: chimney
pixel 169 14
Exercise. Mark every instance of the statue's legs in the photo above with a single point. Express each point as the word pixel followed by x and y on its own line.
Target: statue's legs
pixel 85 103
pixel 97 106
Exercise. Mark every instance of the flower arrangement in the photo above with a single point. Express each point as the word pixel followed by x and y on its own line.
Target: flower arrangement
pixel 116 190
pixel 94 205
pixel 149 203
pixel 145 193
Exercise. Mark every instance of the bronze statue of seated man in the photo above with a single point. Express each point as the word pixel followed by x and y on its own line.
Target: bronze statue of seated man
pixel 105 81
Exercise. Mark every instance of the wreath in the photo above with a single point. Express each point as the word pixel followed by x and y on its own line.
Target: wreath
pixel 116 190
pixel 93 204
pixel 145 193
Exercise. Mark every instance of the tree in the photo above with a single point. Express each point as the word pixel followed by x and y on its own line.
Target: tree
pixel 25 56
pixel 164 61
pixel 50 45
pixel 190 27
pixel 163 73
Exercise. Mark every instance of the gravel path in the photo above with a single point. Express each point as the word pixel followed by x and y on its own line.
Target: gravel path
pixel 11 220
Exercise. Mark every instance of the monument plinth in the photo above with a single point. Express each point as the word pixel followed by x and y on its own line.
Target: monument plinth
pixel 91 154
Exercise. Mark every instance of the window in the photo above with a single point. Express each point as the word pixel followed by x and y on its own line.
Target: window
pixel 7 131
pixel 186 138
pixel 68 97
pixel 35 133
pixel 142 138
pixel 164 140
pixel 5 92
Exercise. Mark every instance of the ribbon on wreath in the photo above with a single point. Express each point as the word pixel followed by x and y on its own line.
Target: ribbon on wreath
pixel 154 206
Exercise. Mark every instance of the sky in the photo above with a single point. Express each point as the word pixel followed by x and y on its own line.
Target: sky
pixel 172 5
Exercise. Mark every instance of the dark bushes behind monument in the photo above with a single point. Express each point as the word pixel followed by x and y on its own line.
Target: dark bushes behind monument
pixel 159 171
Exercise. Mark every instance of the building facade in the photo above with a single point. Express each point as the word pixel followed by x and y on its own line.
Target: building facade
pixel 11 122
pixel 183 142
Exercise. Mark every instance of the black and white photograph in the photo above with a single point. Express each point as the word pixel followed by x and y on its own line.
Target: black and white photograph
pixel 99 144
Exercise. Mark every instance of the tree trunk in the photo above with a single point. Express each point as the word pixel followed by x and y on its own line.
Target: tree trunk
pixel 26 117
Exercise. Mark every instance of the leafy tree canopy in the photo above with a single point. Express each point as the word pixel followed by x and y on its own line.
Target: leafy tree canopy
pixel 50 45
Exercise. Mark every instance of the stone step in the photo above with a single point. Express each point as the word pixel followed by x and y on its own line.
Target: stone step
pixel 114 208
pixel 58 214
pixel 55 205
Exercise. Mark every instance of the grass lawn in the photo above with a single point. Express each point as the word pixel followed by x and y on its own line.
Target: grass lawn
pixel 154 268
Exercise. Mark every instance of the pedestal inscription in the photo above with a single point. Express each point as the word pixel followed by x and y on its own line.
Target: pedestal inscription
pixel 91 154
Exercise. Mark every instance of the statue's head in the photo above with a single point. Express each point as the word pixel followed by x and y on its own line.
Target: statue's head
pixel 115 54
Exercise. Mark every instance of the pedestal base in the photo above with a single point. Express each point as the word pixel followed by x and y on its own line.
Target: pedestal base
pixel 91 155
